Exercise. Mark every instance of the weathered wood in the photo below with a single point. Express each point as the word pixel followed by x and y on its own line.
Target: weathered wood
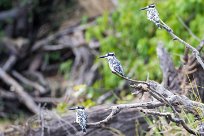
pixel 128 122
pixel 187 78
pixel 168 69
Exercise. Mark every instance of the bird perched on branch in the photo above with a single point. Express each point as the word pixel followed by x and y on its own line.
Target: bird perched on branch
pixel 81 117
pixel 152 14
pixel 114 63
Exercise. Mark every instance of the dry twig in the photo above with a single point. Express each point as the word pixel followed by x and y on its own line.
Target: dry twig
pixel 187 45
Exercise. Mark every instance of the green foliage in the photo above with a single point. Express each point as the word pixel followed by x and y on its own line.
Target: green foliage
pixel 61 107
pixel 54 56
pixel 88 103
pixel 134 39
pixel 65 68
pixel 84 19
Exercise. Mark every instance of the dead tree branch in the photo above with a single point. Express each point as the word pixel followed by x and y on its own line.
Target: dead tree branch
pixel 23 96
pixel 187 45
pixel 26 81
pixel 163 96
pixel 9 63
pixel 169 116
pixel 116 109
pixel 40 44
pixel 168 69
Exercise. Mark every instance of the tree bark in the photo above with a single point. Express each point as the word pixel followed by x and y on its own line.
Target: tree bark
pixel 128 122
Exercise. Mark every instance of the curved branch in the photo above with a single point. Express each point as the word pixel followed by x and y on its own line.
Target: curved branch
pixel 23 95
pixel 170 116
pixel 116 109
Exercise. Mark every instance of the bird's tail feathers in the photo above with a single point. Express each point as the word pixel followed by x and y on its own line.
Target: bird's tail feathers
pixel 84 130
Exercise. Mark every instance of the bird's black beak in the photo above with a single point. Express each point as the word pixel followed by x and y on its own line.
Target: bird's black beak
pixel 73 108
pixel 144 8
pixel 102 56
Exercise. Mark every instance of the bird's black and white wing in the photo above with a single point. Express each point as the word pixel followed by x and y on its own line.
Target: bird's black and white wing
pixel 153 15
pixel 118 68
pixel 82 120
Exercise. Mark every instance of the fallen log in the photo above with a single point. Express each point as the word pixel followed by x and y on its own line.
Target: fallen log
pixel 128 122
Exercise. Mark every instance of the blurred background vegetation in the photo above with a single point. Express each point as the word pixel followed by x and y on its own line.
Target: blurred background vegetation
pixel 134 39
pixel 122 29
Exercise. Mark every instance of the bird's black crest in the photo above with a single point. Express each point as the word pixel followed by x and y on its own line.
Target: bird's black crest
pixel 111 54
pixel 80 107
pixel 152 6
pixel 75 108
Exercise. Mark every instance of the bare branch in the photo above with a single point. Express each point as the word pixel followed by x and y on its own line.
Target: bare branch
pixel 26 81
pixel 50 38
pixel 55 47
pixel 116 109
pixel 169 116
pixel 9 63
pixel 128 79
pixel 194 50
pixel 199 48
pixel 25 97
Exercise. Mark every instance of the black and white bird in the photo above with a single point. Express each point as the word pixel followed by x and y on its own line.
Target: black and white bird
pixel 81 117
pixel 152 14
pixel 114 63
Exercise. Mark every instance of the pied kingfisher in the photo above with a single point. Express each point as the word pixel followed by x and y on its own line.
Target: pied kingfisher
pixel 152 14
pixel 114 64
pixel 81 117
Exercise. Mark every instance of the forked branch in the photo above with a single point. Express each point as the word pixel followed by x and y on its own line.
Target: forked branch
pixel 163 97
